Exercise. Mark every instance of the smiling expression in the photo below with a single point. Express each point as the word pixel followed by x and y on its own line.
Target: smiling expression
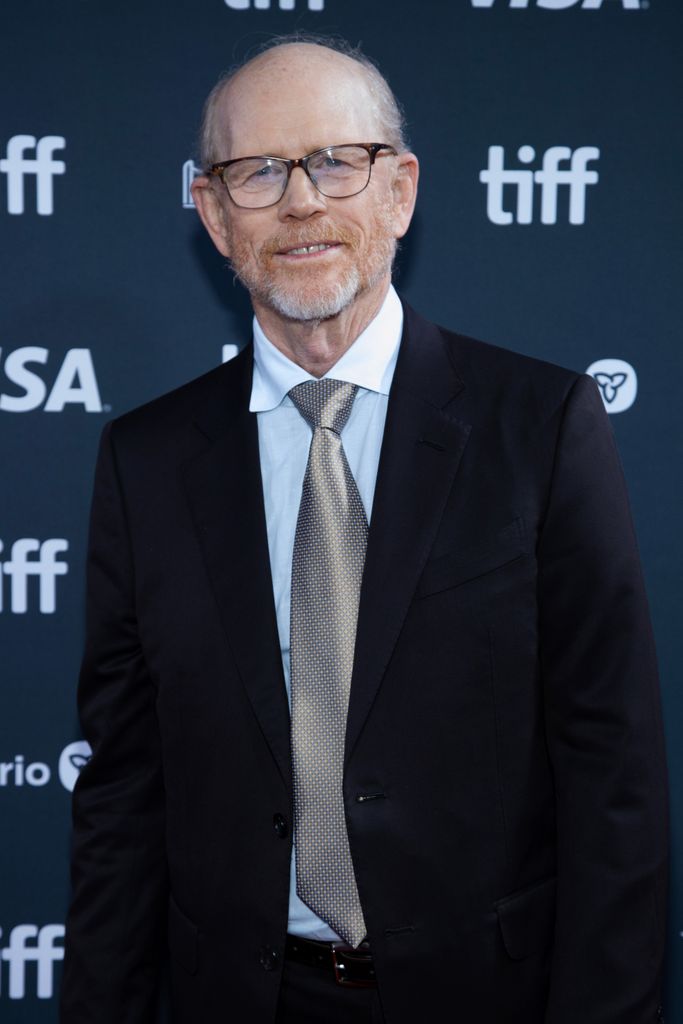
pixel 308 257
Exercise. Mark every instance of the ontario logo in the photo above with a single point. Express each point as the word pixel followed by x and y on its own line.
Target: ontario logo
pixel 618 383
pixel 72 761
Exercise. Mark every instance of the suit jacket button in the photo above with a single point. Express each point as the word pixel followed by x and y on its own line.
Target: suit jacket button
pixel 268 958
pixel 280 825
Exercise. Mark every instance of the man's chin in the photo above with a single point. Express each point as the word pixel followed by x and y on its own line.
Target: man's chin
pixel 315 305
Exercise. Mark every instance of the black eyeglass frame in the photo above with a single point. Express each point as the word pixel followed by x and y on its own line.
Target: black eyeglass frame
pixel 372 149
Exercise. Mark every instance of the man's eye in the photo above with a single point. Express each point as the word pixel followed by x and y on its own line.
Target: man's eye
pixel 267 171
pixel 335 163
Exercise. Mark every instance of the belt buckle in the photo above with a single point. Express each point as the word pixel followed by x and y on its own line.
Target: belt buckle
pixel 340 968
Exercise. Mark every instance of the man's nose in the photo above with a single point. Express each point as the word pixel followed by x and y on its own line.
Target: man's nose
pixel 301 198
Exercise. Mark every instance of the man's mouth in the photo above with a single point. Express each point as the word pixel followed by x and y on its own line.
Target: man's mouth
pixel 307 250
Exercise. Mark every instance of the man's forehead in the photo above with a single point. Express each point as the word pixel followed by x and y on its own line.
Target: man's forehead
pixel 296 93
pixel 300 58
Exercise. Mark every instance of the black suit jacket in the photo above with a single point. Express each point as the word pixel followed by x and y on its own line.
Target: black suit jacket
pixel 504 714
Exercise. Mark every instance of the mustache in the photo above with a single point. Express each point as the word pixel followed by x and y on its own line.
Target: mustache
pixel 308 235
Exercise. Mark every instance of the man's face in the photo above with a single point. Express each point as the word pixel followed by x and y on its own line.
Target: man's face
pixel 291 104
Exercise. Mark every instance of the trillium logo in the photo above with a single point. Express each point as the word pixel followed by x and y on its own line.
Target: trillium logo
pixel 610 384
pixel 72 761
pixel 618 383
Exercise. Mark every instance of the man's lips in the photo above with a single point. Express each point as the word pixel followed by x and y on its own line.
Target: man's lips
pixel 308 249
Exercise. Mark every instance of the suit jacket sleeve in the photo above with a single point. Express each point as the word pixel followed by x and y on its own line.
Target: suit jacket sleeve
pixel 604 734
pixel 115 926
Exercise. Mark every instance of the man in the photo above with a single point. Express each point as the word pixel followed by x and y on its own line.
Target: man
pixel 369 678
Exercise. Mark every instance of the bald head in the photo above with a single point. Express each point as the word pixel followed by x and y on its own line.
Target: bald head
pixel 263 85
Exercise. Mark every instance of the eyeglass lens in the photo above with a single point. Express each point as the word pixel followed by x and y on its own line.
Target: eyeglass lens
pixel 336 172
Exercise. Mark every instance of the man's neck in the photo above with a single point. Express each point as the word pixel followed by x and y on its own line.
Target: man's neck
pixel 316 345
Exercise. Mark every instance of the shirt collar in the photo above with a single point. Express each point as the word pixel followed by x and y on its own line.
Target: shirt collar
pixel 369 362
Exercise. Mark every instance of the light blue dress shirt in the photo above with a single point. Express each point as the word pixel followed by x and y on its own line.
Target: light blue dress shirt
pixel 284 441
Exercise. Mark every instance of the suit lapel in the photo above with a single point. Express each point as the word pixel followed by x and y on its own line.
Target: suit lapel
pixel 421 451
pixel 223 485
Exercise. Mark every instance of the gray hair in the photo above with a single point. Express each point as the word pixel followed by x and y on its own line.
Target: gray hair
pixel 390 112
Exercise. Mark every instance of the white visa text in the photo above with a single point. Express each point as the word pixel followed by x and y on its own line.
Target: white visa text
pixel 558 5
pixel 74 384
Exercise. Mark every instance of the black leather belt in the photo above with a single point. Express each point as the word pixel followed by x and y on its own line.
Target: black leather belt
pixel 352 967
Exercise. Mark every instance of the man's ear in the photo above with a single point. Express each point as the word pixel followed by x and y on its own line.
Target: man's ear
pixel 211 212
pixel 405 192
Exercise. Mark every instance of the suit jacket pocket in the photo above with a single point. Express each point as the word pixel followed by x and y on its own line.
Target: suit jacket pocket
pixel 456 567
pixel 527 919
pixel 182 937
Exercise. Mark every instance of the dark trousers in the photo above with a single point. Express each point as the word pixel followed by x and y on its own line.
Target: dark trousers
pixel 310 995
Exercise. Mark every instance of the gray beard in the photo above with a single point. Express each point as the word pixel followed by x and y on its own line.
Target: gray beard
pixel 328 303
pixel 329 300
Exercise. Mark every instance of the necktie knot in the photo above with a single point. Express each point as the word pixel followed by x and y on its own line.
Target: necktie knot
pixel 325 402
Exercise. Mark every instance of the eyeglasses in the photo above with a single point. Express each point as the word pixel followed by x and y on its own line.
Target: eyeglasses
pixel 337 172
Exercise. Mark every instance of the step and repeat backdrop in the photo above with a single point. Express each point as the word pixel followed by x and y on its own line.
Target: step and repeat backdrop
pixel 548 221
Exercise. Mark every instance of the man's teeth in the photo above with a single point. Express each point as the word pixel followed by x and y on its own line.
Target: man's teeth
pixel 308 248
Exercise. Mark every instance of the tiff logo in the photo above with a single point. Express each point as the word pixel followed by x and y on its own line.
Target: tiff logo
pixel 27 943
pixel 265 5
pixel 561 5
pixel 45 566
pixel 17 166
pixel 576 177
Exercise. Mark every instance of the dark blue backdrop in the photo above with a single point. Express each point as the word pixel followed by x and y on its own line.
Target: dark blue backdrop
pixel 113 295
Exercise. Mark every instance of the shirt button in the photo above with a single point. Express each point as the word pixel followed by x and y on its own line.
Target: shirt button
pixel 280 825
pixel 268 958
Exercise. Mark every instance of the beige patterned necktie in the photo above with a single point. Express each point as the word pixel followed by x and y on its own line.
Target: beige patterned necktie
pixel 327 569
